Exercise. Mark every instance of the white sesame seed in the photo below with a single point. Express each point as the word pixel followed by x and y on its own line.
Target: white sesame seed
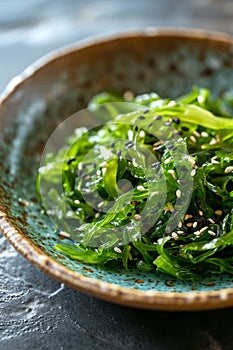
pixel 103 165
pixel 137 217
pixel 117 250
pixel 196 133
pixel 167 160
pixel 213 161
pixel 191 160
pixel 158 143
pixel 174 235
pixel 203 229
pixel 211 221
pixel 140 188
pixel 178 193
pixel 80 166
pixel 193 172
pixel 189 224
pixel 204 134
pixel 76 201
pixel 197 233
pixel 180 232
pixel 212 142
pixel 212 233
pixel 179 224
pixel 142 133
pixel 188 216
pixel 128 95
pixel 228 169
pixel 195 224
pixel 172 173
pixel 64 234
pixel 100 204
pixel 97 215
pixel 193 139
pixel 200 212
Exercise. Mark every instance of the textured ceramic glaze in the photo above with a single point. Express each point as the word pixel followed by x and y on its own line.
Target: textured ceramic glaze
pixel 169 63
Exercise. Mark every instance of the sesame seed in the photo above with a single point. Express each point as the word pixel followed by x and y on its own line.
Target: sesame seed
pixel 80 166
pixel 167 160
pixel 103 165
pixel 228 169
pixel 195 224
pixel 211 221
pixel 196 133
pixel 212 233
pixel 189 224
pixel 197 233
pixel 142 133
pixel 178 193
pixel 193 172
pixel 76 201
pixel 140 188
pixel 136 128
pixel 169 207
pixel 137 217
pixel 174 235
pixel 172 173
pixel 180 232
pixel 158 143
pixel 200 212
pixel 141 117
pixel 188 216
pixel 167 123
pixel 193 139
pixel 185 128
pixel 64 234
pixel 128 95
pixel 212 142
pixel 203 229
pixel 218 212
pixel 150 124
pixel 146 111
pixel 176 120
pixel 204 134
pixel 69 161
pixel 179 224
pixel 112 144
pixel 100 204
pixel 157 117
pixel 97 215
pixel 117 250
pixel 214 161
pixel 129 144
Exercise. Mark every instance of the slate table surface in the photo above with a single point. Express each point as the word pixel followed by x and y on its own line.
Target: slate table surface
pixel 37 312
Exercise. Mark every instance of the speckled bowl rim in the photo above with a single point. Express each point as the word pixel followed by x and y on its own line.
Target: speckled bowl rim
pixel 151 299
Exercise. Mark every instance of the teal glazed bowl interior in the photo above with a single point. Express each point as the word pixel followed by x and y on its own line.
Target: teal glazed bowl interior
pixel 169 62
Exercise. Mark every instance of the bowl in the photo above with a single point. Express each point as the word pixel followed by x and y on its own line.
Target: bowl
pixel 169 62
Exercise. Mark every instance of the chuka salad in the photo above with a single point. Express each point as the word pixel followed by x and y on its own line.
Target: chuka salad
pixel 151 188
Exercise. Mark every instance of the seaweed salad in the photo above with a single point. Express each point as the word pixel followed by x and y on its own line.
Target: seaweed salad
pixel 151 188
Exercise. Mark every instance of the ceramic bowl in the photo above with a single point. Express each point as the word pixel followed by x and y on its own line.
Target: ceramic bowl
pixel 169 62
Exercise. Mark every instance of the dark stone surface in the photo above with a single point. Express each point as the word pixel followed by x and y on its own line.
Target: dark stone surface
pixel 35 311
